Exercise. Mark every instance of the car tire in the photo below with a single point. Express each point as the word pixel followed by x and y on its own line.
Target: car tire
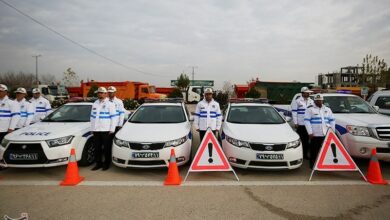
pixel 88 155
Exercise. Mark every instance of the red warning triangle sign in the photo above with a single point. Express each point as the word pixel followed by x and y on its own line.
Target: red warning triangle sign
pixel 334 156
pixel 210 156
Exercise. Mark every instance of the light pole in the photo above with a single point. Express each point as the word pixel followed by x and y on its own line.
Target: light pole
pixel 193 74
pixel 36 68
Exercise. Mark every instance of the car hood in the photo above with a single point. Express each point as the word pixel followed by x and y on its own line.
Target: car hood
pixel 48 130
pixel 370 120
pixel 135 132
pixel 264 133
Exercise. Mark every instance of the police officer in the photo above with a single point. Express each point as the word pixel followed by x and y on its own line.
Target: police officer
pixel 26 108
pixel 42 106
pixel 298 108
pixel 318 119
pixel 9 113
pixel 104 120
pixel 207 115
pixel 120 109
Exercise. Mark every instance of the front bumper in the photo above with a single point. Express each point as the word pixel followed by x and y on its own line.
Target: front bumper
pixel 46 157
pixel 123 157
pixel 246 158
pixel 360 146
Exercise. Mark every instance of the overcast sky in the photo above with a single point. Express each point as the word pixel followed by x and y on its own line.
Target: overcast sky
pixel 227 40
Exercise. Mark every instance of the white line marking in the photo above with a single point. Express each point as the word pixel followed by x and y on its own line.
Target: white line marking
pixel 188 183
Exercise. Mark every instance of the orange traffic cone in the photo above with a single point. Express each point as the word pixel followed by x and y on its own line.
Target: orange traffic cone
pixel 374 174
pixel 72 176
pixel 173 177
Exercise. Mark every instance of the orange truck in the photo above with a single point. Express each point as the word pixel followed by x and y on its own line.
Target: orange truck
pixel 125 90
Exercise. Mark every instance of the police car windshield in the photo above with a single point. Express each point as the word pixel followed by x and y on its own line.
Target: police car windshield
pixel 70 113
pixel 348 104
pixel 158 114
pixel 254 115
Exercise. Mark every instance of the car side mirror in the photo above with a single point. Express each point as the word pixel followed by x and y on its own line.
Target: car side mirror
pixel 283 116
pixel 191 118
pixel 376 108
pixel 288 119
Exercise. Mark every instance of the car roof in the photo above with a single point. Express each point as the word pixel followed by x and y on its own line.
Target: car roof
pixel 336 94
pixel 162 104
pixel 249 104
pixel 79 103
pixel 382 92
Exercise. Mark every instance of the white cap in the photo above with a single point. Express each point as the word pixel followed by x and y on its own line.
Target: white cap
pixel 21 90
pixel 102 89
pixel 318 97
pixel 3 87
pixel 305 89
pixel 35 90
pixel 208 90
pixel 111 89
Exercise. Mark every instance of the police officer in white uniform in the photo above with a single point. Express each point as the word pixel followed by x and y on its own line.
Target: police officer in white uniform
pixel 26 108
pixel 298 108
pixel 207 115
pixel 9 112
pixel 120 109
pixel 42 106
pixel 318 119
pixel 104 120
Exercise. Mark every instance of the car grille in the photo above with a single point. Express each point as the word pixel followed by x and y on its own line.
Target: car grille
pixel 146 162
pixel 24 149
pixel 268 164
pixel 383 132
pixel 140 146
pixel 264 147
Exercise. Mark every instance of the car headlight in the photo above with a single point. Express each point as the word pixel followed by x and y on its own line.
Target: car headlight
pixel 60 141
pixel 293 144
pixel 236 142
pixel 4 142
pixel 176 142
pixel 121 143
pixel 358 130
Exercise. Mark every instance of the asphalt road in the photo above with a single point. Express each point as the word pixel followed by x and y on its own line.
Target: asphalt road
pixel 139 194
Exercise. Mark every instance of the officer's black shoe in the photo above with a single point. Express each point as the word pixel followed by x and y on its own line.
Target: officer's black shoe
pixel 106 167
pixel 97 166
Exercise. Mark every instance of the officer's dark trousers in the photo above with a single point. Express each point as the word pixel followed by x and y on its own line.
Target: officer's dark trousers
pixel 112 136
pixel 2 135
pixel 203 133
pixel 102 147
pixel 315 146
pixel 302 132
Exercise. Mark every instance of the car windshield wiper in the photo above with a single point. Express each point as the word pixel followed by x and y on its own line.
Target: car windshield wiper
pixel 237 122
pixel 137 122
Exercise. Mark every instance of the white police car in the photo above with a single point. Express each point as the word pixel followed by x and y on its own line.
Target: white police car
pixel 359 126
pixel 255 135
pixel 147 138
pixel 48 143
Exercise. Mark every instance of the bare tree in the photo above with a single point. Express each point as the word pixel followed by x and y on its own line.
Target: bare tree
pixel 228 88
pixel 14 80
pixel 47 79
pixel 70 78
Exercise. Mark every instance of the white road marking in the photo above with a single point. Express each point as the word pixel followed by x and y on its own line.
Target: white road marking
pixel 188 183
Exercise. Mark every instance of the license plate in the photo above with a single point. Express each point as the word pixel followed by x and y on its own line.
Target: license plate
pixel 26 156
pixel 146 155
pixel 270 156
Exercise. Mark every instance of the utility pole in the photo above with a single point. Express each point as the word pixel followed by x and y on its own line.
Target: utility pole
pixel 36 68
pixel 193 74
